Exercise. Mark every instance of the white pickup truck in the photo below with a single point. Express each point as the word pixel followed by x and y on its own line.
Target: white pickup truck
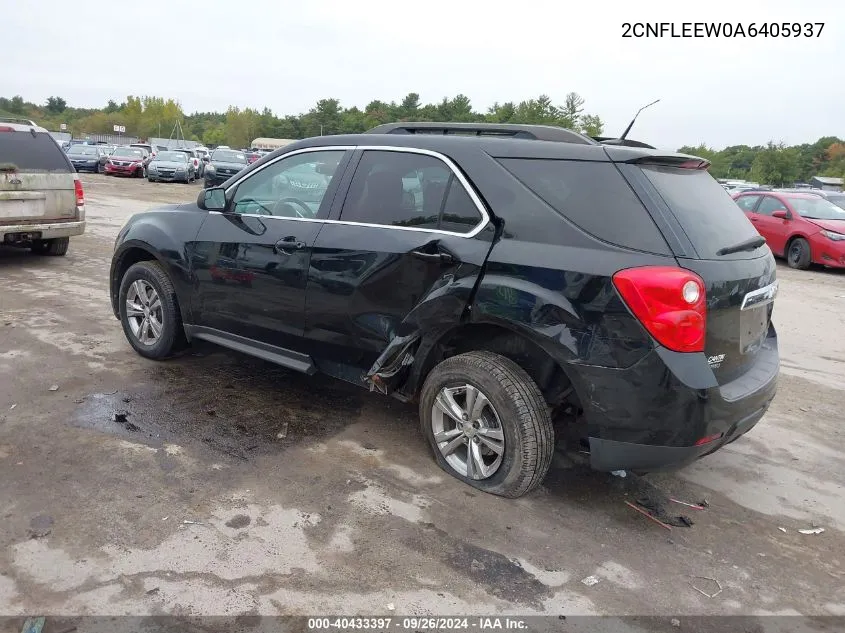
pixel 42 203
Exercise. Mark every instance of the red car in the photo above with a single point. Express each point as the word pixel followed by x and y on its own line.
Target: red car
pixel 804 228
pixel 127 161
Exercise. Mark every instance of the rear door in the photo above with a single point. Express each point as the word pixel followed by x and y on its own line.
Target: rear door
pixel 410 238
pixel 707 231
pixel 36 178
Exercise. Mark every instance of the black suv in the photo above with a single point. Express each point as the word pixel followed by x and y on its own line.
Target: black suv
pixel 518 282
pixel 222 165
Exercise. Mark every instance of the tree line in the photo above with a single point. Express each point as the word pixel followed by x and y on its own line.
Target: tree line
pixel 156 117
pixel 773 164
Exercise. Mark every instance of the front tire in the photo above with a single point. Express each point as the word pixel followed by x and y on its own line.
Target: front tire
pixel 798 254
pixel 487 423
pixel 56 247
pixel 149 311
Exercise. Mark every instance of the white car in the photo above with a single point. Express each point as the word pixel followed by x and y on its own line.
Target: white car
pixel 42 204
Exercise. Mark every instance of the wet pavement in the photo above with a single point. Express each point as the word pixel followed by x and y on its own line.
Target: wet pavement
pixel 219 484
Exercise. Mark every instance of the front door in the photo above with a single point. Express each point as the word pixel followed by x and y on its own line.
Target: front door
pixel 410 238
pixel 251 260
pixel 775 230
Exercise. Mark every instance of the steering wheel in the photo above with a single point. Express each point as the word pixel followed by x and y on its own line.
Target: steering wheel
pixel 308 213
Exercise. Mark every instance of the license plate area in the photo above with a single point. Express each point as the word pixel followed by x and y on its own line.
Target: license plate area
pixel 753 323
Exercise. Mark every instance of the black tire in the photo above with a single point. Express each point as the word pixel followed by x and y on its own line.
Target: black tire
pixel 798 254
pixel 56 247
pixel 522 411
pixel 172 337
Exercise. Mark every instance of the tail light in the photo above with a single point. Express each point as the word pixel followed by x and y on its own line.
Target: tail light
pixel 669 302
pixel 80 194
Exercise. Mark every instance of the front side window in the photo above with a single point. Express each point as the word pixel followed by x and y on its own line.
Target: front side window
pixel 769 205
pixel 409 190
pixel 293 187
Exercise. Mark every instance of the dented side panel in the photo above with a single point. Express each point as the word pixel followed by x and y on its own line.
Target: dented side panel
pixel 373 290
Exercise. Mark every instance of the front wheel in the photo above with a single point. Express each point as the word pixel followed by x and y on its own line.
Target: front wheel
pixel 798 254
pixel 487 423
pixel 149 311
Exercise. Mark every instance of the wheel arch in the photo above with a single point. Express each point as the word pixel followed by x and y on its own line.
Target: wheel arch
pixel 794 237
pixel 129 253
pixel 550 375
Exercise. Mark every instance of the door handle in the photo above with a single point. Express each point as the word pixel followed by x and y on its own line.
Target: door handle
pixel 287 244
pixel 443 258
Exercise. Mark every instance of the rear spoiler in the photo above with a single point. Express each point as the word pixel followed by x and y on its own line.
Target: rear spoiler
pixel 608 140
pixel 674 160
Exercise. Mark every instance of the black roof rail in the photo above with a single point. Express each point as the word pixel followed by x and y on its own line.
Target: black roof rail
pixel 18 120
pixel 609 140
pixel 500 130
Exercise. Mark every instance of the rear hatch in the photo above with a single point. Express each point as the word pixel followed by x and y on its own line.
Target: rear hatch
pixel 36 178
pixel 711 236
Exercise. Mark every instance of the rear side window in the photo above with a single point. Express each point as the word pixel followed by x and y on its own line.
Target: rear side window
pixel 706 212
pixel 32 153
pixel 593 196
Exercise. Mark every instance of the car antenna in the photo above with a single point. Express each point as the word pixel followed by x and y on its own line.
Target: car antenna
pixel 631 124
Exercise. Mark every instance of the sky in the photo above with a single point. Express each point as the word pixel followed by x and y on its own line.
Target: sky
pixel 286 55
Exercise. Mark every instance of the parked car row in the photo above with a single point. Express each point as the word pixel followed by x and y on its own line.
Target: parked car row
pixel 805 226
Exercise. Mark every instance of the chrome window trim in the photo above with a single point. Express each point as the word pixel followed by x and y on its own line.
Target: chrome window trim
pixel 485 217
pixel 760 297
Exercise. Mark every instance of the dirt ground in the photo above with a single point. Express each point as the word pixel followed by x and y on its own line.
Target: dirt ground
pixel 198 506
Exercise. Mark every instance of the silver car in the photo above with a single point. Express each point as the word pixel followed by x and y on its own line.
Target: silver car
pixel 172 166
pixel 42 204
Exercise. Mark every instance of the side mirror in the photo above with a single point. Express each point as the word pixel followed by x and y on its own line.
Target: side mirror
pixel 782 214
pixel 213 199
pixel 205 159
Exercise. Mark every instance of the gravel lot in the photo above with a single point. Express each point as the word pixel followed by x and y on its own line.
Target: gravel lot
pixel 199 507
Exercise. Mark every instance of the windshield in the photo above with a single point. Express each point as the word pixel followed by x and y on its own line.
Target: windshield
pixel 839 201
pixel 177 157
pixel 128 152
pixel 83 150
pixel 816 208
pixel 228 156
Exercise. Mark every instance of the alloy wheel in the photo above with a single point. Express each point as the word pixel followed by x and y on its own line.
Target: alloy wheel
pixel 468 431
pixel 143 312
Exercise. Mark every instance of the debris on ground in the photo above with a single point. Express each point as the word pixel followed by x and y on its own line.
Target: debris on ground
pixel 676 623
pixel 591 580
pixel 54 388
pixel 40 526
pixel 782 529
pixel 283 432
pixel 120 416
pixel 79 400
pixel 153 591
pixel 391 606
pixel 695 506
pixel 714 585
pixel 33 625
pixel 186 522
pixel 619 473
pixel 648 515
pixel 127 399
pixel 817 530
pixel 13 407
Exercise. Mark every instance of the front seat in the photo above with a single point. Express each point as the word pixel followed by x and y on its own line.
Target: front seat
pixel 382 199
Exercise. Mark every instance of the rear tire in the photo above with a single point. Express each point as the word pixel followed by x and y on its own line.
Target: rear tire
pixel 56 247
pixel 163 334
pixel 798 254
pixel 510 435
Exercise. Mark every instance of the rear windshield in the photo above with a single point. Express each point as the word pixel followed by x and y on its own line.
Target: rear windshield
pixel 83 150
pixel 593 196
pixel 28 153
pixel 707 213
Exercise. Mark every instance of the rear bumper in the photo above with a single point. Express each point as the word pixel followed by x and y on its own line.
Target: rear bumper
pixel 48 230
pixel 668 410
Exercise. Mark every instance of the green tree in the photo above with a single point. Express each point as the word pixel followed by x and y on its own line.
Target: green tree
pixel 56 105
pixel 776 165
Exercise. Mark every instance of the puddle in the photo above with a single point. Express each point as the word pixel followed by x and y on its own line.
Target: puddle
pixel 234 405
